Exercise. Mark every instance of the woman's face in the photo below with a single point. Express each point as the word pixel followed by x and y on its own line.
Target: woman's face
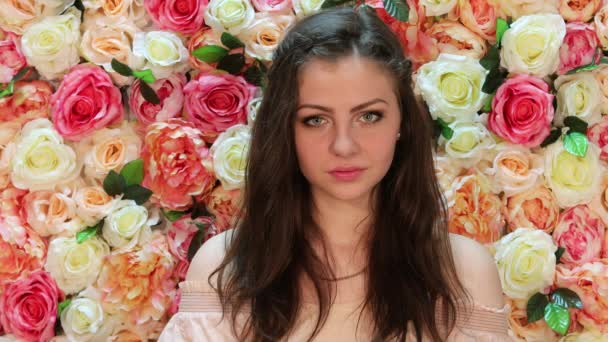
pixel 346 126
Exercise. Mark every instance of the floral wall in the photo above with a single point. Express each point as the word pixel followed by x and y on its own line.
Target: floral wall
pixel 124 125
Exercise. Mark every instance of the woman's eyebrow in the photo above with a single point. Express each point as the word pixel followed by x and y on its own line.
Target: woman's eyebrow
pixel 354 109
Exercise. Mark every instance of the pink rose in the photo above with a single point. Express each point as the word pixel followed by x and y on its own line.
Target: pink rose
pixel 579 47
pixel 225 206
pixel 479 16
pixel 11 58
pixel 173 155
pixel 86 101
pixel 522 111
pixel 598 134
pixel 590 282
pixel 581 232
pixel 215 102
pixel 271 5
pixel 183 16
pixel 28 307
pixel 180 236
pixel 30 100
pixel 170 91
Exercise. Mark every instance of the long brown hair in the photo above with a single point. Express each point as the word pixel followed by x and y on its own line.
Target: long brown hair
pixel 409 238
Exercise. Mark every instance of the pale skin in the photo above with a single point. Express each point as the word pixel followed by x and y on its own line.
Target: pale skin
pixel 348 116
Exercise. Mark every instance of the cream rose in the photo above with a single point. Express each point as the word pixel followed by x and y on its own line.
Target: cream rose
pixel 131 10
pixel 164 52
pixel 518 8
pixel 437 7
pixel 41 160
pixel 127 225
pixel 531 45
pixel 75 265
pixel 526 262
pixel 85 320
pixel 51 45
pixel 51 213
pixel 8 132
pixel 229 153
pixel 264 34
pixel 16 16
pixel 515 169
pixel 468 143
pixel 578 95
pixel 93 204
pixel 229 15
pixel 574 180
pixel 303 8
pixel 451 86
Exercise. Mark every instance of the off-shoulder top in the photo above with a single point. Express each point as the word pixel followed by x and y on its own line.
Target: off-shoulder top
pixel 200 319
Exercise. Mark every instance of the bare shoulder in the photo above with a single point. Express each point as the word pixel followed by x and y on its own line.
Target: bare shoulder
pixel 477 271
pixel 208 258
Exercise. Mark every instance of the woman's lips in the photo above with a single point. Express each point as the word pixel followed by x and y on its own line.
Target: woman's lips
pixel 346 174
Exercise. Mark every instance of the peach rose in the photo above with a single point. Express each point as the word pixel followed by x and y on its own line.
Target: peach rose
pixel 474 210
pixel 581 232
pixel 180 235
pixel 455 38
pixel 590 282
pixel 518 8
pixel 30 100
pixel 534 208
pixel 15 263
pixel 132 10
pixel 51 213
pixel 17 15
pixel 582 10
pixel 8 132
pixel 225 206
pixel 93 204
pixel 515 169
pixel 480 17
pixel 170 92
pixel 579 47
pixel 601 76
pixel 598 134
pixel 600 21
pixel 521 330
pixel 138 283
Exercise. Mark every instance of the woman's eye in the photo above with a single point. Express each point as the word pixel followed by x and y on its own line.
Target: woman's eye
pixel 314 121
pixel 371 117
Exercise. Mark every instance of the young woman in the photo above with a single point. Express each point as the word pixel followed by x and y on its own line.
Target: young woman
pixel 344 235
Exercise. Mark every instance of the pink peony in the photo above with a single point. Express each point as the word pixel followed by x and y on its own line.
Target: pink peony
pixel 86 101
pixel 598 134
pixel 30 100
pixel 11 58
pixel 581 232
pixel 271 5
pixel 522 111
pixel 590 282
pixel 215 102
pixel 28 307
pixel 170 91
pixel 183 16
pixel 225 206
pixel 180 236
pixel 579 47
pixel 16 262
pixel 173 155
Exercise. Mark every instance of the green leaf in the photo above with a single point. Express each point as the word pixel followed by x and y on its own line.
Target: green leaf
pixel 137 193
pixel 493 80
pixel 195 244
pixel 552 137
pixel 121 68
pixel 397 9
pixel 210 53
pixel 604 60
pixel 557 318
pixel 558 254
pixel 501 27
pixel 63 305
pixel 254 75
pixel 576 143
pixel 230 41
pixel 133 172
pixel 173 215
pixel 535 309
pixel 10 88
pixel 114 184
pixel 88 233
pixel 491 59
pixel 232 63
pixel 566 298
pixel 148 93
pixel 200 226
pixel 446 131
pixel 587 67
pixel 575 124
pixel 487 107
pixel 145 75
pixel 21 74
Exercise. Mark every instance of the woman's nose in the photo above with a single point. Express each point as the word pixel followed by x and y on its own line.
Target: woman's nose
pixel 344 142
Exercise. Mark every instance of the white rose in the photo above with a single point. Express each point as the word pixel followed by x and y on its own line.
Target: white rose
pixel 437 7
pixel 164 51
pixel 531 45
pixel 451 86
pixel 127 225
pixel 578 95
pixel 264 34
pixel 51 45
pixel 305 8
pixel 468 143
pixel 229 153
pixel 17 15
pixel 229 15
pixel 41 160
pixel 75 265
pixel 85 320
pixel 574 180
pixel 515 169
pixel 526 262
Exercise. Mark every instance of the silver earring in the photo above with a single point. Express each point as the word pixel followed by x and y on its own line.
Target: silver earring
pixel 398 136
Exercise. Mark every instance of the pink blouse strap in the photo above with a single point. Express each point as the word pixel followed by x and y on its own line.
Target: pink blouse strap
pixel 481 318
pixel 197 297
